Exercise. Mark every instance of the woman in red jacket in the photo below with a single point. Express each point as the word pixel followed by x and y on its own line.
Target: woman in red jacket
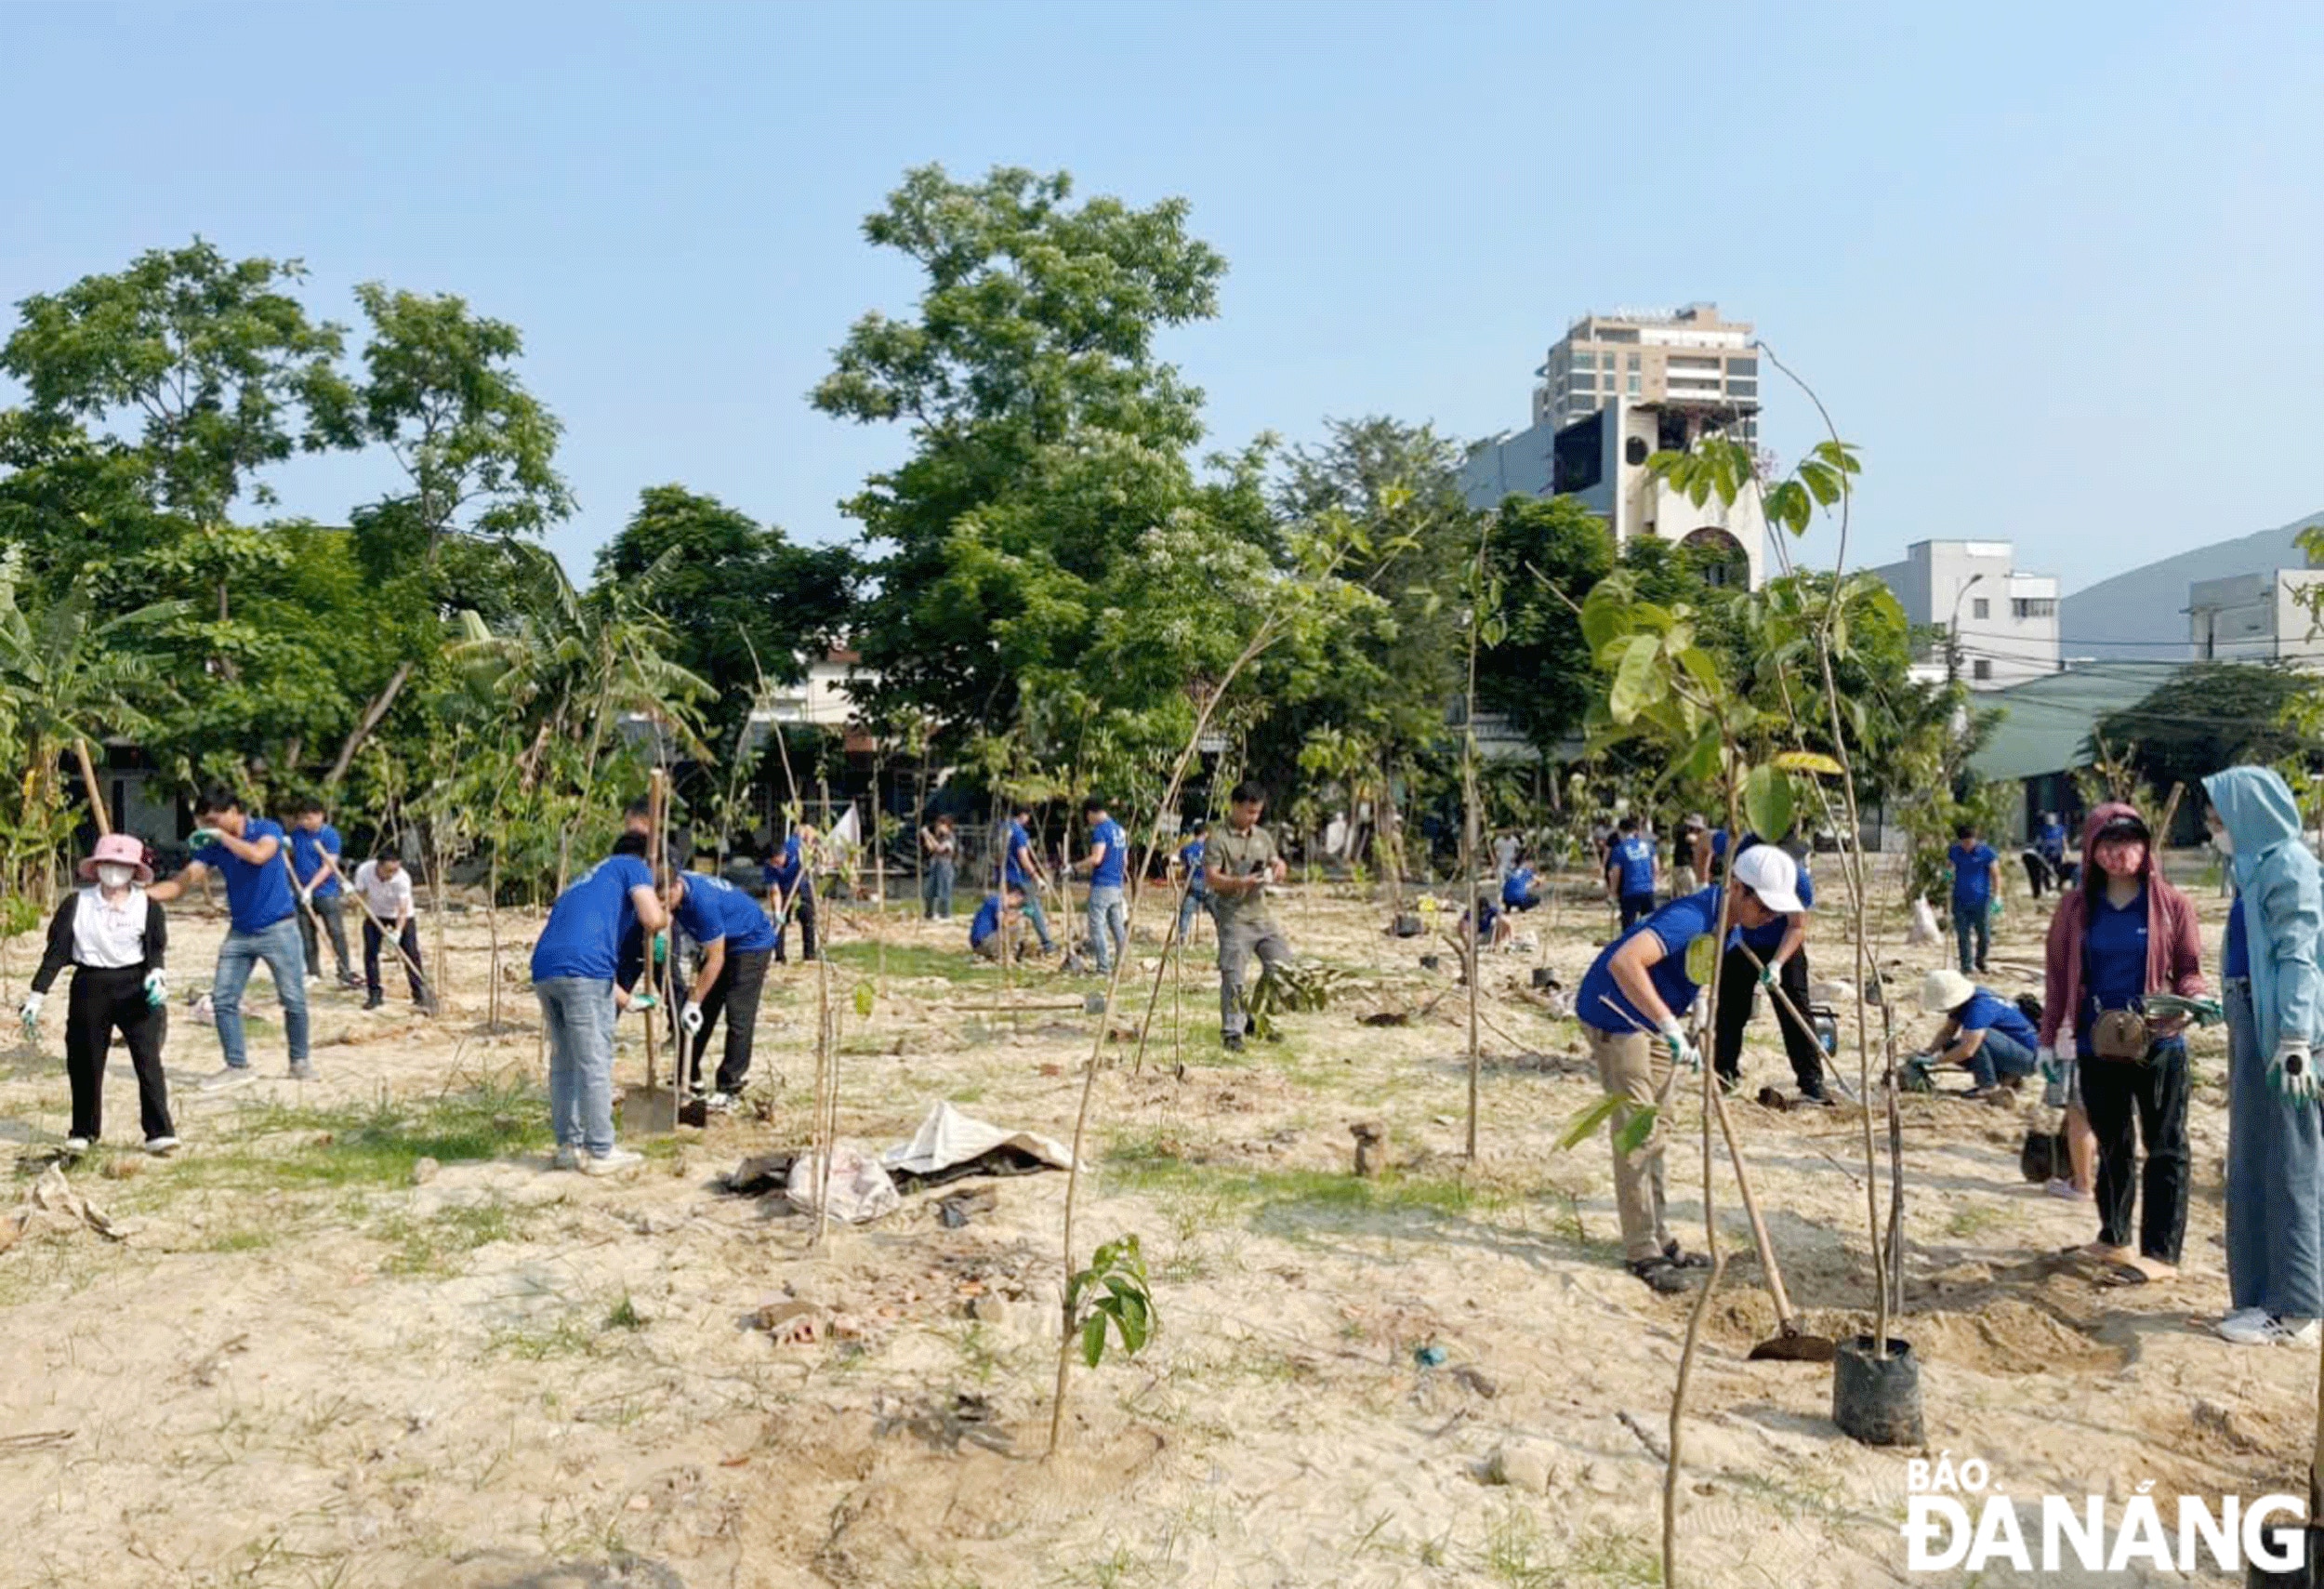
pixel 2124 934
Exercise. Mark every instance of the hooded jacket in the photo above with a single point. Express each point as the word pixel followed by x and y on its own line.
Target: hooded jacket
pixel 2174 945
pixel 2281 893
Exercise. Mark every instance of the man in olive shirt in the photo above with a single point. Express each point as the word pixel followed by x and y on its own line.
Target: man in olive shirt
pixel 1242 861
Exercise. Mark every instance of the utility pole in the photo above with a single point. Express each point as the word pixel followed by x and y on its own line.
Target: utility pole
pixel 1952 644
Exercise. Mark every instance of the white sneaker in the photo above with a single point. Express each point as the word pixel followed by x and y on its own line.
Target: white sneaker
pixel 567 1157
pixel 161 1147
pixel 232 1076
pixel 2253 1327
pixel 77 1144
pixel 718 1102
pixel 2239 1318
pixel 612 1163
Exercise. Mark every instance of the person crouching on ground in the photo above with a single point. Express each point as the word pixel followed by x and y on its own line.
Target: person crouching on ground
pixel 385 888
pixel 573 976
pixel 2274 1004
pixel 248 853
pixel 988 937
pixel 737 940
pixel 1632 1005
pixel 1983 1033
pixel 1241 861
pixel 114 937
pixel 2125 932
pixel 1521 890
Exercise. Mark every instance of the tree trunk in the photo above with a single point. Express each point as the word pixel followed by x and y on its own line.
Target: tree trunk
pixel 364 724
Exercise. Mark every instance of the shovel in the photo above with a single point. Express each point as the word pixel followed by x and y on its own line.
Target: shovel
pixel 1791 1344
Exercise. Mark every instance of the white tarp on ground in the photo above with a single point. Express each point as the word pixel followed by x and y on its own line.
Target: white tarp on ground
pixel 948 1137
pixel 860 1188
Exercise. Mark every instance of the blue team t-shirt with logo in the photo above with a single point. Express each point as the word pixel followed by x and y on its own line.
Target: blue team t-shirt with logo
pixel 987 921
pixel 1634 857
pixel 1190 856
pixel 1109 872
pixel 256 898
pixel 1017 874
pixel 1517 890
pixel 1972 875
pixel 1988 1012
pixel 1677 924
pixel 2114 960
pixel 306 853
pixel 714 908
pixel 591 919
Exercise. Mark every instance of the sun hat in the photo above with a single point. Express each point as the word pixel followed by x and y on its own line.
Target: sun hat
pixel 117 849
pixel 1945 991
pixel 1772 875
pixel 1694 819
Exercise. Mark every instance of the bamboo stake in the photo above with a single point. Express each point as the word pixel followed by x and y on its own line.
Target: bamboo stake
pixel 1154 1000
pixel 826 1098
pixel 661 889
pixel 98 805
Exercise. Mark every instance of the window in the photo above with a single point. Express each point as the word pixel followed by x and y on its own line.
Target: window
pixel 1981 668
pixel 1618 332
pixel 1981 608
pixel 1742 388
pixel 1748 368
pixel 1634 383
pixel 1585 361
pixel 1686 362
pixel 1633 364
pixel 2033 607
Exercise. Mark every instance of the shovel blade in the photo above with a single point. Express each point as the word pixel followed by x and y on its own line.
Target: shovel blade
pixel 1791 1346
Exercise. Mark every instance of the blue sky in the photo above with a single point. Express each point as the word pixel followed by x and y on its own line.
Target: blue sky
pixel 2052 266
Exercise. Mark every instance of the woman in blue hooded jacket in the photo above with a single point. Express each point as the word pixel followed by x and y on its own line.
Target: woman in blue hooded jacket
pixel 2274 1003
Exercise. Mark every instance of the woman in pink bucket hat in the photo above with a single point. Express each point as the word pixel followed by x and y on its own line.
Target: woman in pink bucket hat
pixel 113 936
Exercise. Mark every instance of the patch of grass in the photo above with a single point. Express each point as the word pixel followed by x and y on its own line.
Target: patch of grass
pixel 440 1245
pixel 624 1315
pixel 1516 1554
pixel 275 1146
pixel 1605 1557
pixel 242 1238
pixel 1976 1219
pixel 915 959
pixel 566 1337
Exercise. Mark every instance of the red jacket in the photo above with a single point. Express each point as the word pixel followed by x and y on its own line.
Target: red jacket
pixel 2175 946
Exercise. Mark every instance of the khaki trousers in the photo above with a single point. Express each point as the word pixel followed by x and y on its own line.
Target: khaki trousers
pixel 1635 1067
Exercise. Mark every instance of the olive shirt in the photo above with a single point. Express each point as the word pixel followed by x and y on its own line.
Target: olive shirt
pixel 1230 854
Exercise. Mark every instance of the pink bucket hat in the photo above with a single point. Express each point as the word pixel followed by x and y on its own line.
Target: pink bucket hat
pixel 117 849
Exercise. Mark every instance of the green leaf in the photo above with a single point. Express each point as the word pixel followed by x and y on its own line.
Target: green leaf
pixel 1636 681
pixel 1809 762
pixel 1603 616
pixel 864 996
pixel 1584 1126
pixel 1636 1130
pixel 1767 802
pixel 1093 1339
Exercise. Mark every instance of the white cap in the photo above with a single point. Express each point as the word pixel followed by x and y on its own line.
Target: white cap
pixel 1772 875
pixel 1945 991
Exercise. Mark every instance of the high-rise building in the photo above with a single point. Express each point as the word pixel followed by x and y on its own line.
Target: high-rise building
pixel 1673 357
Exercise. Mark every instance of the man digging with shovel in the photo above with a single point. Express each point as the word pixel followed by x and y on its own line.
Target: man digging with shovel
pixel 1632 1005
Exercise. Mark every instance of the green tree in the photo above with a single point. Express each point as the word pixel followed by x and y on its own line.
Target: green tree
pixel 2208 716
pixel 1046 435
pixel 1547 554
pixel 739 598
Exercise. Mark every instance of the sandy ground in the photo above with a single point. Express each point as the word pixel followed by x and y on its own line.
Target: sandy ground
pixel 289 1364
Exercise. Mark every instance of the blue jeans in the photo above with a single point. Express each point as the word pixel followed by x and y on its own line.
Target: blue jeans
pixel 1034 915
pixel 285 957
pixel 2000 1055
pixel 578 1014
pixel 936 891
pixel 1109 925
pixel 1972 921
pixel 2275 1179
pixel 1195 899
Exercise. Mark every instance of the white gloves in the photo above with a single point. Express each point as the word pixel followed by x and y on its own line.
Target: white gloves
pixel 30 1012
pixel 1683 1055
pixel 156 987
pixel 690 1017
pixel 2292 1072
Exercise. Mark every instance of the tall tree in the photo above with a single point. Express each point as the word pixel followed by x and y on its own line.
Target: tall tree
pixel 1047 436
pixel 1547 553
pixel 738 597
pixel 2208 716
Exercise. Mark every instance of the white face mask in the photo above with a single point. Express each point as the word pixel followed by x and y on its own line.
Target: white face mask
pixel 2222 840
pixel 115 876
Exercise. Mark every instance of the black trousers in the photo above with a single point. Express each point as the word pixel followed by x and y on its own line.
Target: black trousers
pixel 735 996
pixel 332 909
pixel 375 940
pixel 1738 984
pixel 630 970
pixel 2128 1103
pixel 803 912
pixel 1636 907
pixel 2040 875
pixel 106 1000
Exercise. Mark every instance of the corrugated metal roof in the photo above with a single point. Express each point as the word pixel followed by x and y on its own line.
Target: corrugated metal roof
pixel 2047 721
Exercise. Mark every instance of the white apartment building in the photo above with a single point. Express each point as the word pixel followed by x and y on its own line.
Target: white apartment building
pixel 2255 618
pixel 1685 355
pixel 2000 624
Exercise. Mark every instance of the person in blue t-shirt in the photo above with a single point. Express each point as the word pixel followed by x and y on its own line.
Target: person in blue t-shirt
pixel 1984 1033
pixel 1521 890
pixel 315 869
pixel 2045 855
pixel 1773 955
pixel 791 876
pixel 986 933
pixel 1631 1005
pixel 248 854
pixel 1108 865
pixel 736 940
pixel 1197 893
pixel 1977 893
pixel 574 962
pixel 1629 873
pixel 1020 869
